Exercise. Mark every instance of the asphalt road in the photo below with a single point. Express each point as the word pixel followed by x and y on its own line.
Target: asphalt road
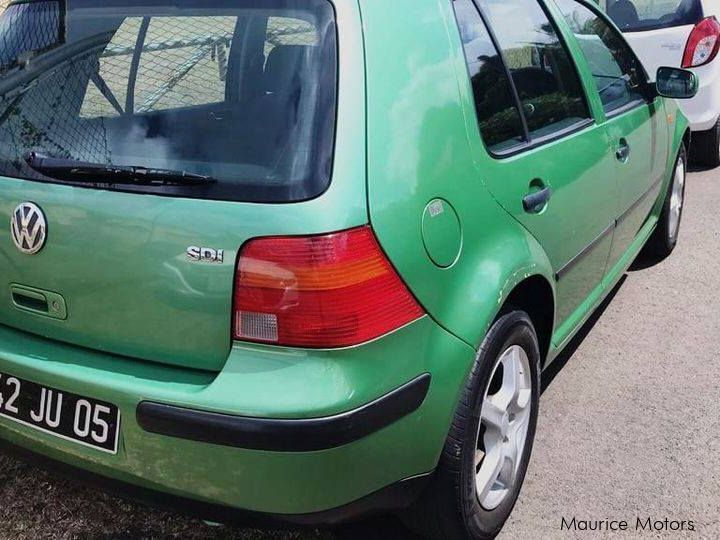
pixel 629 425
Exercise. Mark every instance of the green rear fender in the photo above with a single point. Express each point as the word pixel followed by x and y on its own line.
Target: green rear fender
pixel 497 256
pixel 463 257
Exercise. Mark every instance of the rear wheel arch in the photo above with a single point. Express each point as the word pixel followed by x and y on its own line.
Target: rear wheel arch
pixel 534 295
pixel 682 135
pixel 504 270
pixel 686 139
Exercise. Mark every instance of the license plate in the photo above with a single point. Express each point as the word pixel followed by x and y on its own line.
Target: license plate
pixel 71 417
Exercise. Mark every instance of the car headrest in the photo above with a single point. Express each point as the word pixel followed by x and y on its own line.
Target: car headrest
pixel 689 9
pixel 624 13
pixel 284 67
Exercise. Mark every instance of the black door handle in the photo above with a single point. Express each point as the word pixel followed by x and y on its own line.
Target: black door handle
pixel 623 151
pixel 534 203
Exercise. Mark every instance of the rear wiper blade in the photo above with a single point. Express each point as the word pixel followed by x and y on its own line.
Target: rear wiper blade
pixel 72 170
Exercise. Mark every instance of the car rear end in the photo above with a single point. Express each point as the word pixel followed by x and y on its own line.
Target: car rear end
pixel 677 33
pixel 192 299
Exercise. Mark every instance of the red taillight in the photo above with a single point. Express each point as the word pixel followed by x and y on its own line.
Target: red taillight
pixel 703 43
pixel 327 291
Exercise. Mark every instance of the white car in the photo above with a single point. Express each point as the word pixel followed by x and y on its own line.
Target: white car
pixel 680 33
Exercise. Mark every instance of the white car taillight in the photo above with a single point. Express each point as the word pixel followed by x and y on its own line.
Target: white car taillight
pixel 703 43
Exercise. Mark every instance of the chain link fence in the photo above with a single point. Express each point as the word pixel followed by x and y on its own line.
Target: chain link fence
pixel 47 120
pixel 183 62
pixel 27 27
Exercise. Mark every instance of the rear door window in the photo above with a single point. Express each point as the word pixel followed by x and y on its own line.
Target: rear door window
pixel 640 15
pixel 240 92
pixel 544 75
pixel 618 73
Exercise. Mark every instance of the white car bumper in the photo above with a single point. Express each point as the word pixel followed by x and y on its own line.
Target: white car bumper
pixel 703 110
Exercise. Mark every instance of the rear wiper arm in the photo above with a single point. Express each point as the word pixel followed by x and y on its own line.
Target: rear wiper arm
pixel 72 170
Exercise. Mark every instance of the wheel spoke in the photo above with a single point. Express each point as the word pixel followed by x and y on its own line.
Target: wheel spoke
pixel 493 416
pixel 676 198
pixel 511 366
pixel 680 173
pixel 511 457
pixel 479 456
pixel 489 471
pixel 518 438
pixel 523 400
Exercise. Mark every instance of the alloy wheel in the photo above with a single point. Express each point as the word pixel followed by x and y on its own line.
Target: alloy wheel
pixel 504 421
pixel 677 197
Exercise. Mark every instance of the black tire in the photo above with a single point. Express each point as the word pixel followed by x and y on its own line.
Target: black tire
pixel 706 147
pixel 449 508
pixel 664 239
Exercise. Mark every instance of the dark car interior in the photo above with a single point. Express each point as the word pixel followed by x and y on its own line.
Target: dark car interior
pixel 626 15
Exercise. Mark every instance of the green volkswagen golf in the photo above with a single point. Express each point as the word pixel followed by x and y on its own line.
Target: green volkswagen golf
pixel 305 260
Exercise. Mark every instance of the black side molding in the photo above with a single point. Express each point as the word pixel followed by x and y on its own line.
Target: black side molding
pixel 284 435
pixel 584 253
pixel 589 248
pixel 634 205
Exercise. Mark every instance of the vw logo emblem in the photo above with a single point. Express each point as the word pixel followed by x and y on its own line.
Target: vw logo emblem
pixel 28 228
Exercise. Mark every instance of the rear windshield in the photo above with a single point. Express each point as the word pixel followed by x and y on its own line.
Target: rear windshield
pixel 240 91
pixel 639 15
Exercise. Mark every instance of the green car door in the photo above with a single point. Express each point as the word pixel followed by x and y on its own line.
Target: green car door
pixel 547 162
pixel 636 125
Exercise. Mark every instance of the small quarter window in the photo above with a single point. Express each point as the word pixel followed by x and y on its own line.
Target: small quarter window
pixel 618 73
pixel 498 116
